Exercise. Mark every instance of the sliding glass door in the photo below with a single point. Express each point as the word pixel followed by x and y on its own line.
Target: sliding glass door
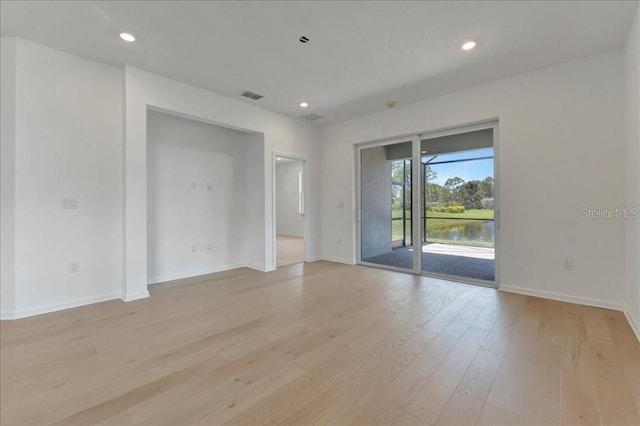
pixel 458 214
pixel 427 204
pixel 386 200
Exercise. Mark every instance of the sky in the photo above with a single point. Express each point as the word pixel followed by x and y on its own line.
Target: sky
pixel 467 170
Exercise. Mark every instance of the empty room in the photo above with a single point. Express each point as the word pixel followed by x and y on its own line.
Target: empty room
pixel 320 213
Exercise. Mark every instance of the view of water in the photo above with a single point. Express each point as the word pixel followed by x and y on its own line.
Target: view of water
pixel 472 231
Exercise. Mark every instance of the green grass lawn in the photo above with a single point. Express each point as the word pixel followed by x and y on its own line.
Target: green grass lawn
pixel 436 220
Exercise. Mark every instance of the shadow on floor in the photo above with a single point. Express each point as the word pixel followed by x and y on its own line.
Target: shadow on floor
pixel 462 266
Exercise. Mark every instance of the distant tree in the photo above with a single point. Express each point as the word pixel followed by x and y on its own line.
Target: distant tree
pixel 471 194
pixel 486 186
pixel 400 174
pixel 453 185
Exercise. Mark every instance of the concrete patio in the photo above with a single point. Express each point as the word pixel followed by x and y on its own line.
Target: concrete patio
pixel 449 259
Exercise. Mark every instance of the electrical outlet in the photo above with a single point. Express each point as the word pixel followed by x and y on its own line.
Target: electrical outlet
pixel 69 203
pixel 201 248
pixel 193 248
pixel 193 185
pixel 567 265
pixel 209 247
pixel 74 267
pixel 209 187
pixel 200 185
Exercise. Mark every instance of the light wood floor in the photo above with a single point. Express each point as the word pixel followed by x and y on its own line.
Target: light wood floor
pixel 289 250
pixel 324 344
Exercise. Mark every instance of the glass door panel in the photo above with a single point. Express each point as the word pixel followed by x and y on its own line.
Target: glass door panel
pixel 457 205
pixel 385 205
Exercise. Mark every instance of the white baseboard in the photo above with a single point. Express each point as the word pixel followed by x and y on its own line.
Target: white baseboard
pixel 598 303
pixel 6 315
pixel 634 325
pixel 54 307
pixel 130 297
pixel 562 297
pixel 255 267
pixel 301 236
pixel 193 273
pixel 337 260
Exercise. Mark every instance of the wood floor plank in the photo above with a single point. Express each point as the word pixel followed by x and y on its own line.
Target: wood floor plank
pixel 510 384
pixel 467 401
pixel 628 349
pixel 321 344
pixel 543 393
pixel 432 397
pixel 579 396
pixel 616 403
pixel 407 419
pixel 496 416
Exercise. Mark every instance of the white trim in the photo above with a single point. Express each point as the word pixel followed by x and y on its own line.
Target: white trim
pixel 562 297
pixel 635 327
pixel 307 224
pixel 54 307
pixel 130 297
pixel 337 260
pixel 489 123
pixel 255 267
pixel 194 273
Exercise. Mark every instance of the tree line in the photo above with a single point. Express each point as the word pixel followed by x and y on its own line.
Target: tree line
pixel 473 194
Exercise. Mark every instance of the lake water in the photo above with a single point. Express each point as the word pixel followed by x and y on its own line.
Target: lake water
pixel 472 231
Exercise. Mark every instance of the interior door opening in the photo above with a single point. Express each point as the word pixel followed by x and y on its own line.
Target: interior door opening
pixel 289 211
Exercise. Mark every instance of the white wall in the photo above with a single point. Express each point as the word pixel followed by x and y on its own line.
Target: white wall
pixel 632 155
pixel 7 175
pixel 72 116
pixel 68 144
pixel 281 134
pixel 560 149
pixel 197 193
pixel 288 221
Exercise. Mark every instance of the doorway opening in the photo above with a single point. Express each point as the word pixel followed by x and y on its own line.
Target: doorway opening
pixel 289 210
pixel 435 193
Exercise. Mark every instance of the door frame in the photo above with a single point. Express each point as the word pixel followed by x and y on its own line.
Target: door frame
pixel 305 189
pixel 455 130
pixel 415 146
pixel 416 139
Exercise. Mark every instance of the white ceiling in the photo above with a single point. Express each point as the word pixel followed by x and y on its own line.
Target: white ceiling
pixel 360 55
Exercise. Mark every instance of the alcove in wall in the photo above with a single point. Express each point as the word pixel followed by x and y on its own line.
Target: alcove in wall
pixel 201 187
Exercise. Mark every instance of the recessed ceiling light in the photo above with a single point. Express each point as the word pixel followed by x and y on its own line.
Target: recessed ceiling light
pixel 304 104
pixel 278 158
pixel 468 45
pixel 127 37
pixel 424 152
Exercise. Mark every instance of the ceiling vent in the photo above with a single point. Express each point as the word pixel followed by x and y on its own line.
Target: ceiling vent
pixel 251 95
pixel 312 116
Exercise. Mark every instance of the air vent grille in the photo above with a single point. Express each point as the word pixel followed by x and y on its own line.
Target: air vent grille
pixel 312 116
pixel 251 95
